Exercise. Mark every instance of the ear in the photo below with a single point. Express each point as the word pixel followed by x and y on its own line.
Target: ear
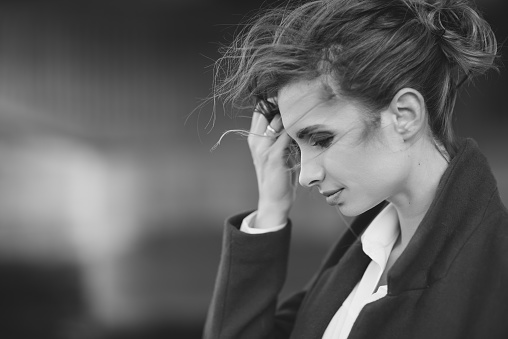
pixel 408 113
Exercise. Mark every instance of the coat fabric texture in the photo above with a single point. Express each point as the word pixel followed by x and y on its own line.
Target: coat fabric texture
pixel 450 282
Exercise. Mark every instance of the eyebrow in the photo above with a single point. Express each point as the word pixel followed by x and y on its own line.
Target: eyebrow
pixel 305 132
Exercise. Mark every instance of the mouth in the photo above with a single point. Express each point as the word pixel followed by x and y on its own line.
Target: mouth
pixel 332 196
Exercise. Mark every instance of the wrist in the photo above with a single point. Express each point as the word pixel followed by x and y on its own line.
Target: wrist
pixel 270 215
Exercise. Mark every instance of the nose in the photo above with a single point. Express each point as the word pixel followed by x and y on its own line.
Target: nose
pixel 311 172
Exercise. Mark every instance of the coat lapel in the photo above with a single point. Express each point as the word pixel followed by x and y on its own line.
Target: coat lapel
pixel 341 270
pixel 462 196
pixel 329 292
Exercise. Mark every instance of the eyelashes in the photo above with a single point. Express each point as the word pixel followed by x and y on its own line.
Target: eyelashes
pixel 322 140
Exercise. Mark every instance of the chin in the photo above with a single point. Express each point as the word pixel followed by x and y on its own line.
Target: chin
pixel 349 209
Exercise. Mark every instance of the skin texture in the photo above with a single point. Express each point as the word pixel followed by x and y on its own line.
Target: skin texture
pixel 334 154
pixel 397 161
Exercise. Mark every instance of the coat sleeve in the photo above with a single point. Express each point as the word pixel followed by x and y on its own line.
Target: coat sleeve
pixel 252 271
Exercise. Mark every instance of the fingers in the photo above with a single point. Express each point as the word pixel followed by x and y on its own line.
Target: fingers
pixel 262 132
pixel 258 124
pixel 282 142
pixel 280 149
pixel 273 129
pixel 276 123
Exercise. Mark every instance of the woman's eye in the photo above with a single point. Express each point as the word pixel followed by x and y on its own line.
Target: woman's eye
pixel 321 140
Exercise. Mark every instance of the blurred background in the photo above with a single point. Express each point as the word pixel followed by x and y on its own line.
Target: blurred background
pixel 111 203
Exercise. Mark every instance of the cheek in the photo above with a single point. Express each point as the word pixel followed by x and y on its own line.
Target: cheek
pixel 367 170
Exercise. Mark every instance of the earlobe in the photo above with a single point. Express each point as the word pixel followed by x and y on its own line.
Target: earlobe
pixel 409 113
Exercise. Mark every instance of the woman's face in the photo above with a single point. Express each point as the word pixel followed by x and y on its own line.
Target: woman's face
pixel 353 171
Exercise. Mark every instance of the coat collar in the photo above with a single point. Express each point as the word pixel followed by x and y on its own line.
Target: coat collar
pixel 462 197
pixel 343 268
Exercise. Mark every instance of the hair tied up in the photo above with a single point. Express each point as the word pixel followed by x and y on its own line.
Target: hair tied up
pixel 434 18
pixel 367 50
pixel 439 33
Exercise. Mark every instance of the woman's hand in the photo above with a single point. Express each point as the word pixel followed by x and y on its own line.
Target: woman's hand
pixel 276 179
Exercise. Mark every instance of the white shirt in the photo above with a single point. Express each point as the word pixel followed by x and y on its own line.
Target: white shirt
pixel 377 243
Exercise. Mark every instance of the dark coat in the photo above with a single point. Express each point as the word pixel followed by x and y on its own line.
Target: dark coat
pixel 450 282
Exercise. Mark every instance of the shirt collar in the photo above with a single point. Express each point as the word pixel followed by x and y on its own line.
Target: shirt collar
pixel 379 238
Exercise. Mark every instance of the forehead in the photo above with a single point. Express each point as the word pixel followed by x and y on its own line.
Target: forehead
pixel 306 103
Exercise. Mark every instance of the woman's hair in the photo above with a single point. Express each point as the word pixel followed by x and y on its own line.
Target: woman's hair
pixel 366 49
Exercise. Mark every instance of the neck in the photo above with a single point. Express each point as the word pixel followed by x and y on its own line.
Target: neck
pixel 419 187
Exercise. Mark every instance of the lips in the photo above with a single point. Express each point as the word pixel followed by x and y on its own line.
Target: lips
pixel 332 196
pixel 331 192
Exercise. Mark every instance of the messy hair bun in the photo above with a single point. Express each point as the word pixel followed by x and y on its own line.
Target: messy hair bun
pixel 464 37
pixel 370 49
pixel 467 42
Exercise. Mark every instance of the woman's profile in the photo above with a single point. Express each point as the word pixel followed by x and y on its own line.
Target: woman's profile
pixel 361 93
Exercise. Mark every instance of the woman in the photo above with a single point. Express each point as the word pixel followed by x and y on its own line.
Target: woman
pixel 366 91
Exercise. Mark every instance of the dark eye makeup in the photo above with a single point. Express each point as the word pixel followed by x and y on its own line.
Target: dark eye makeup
pixel 321 139
pixel 315 139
